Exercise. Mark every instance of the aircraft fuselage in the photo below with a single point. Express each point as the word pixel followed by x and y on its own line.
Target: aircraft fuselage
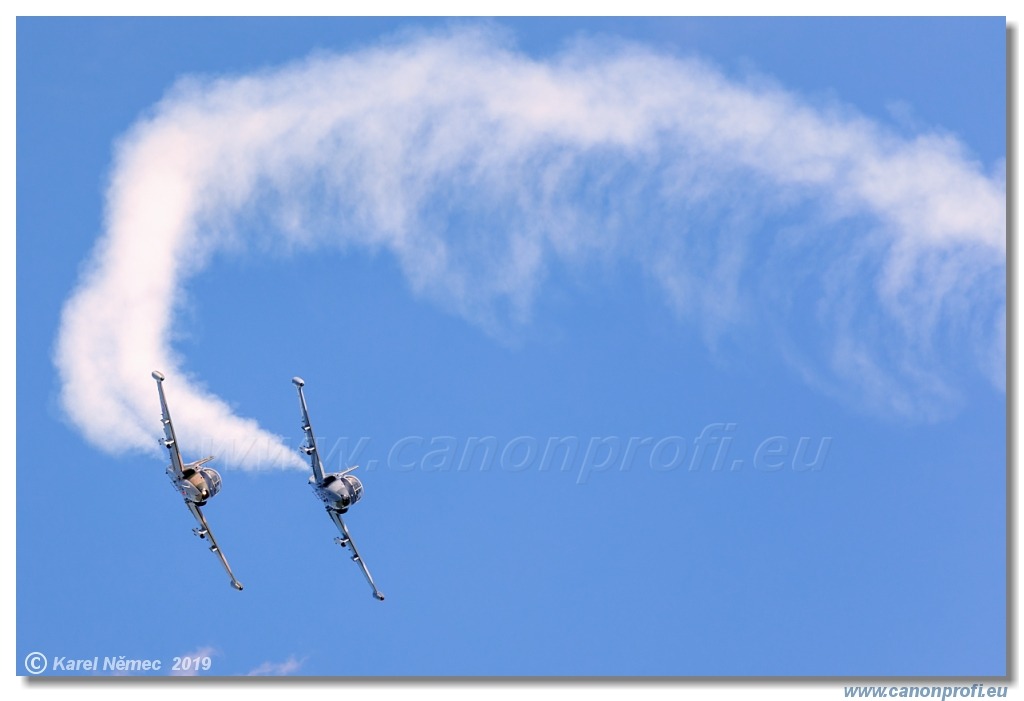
pixel 338 491
pixel 196 485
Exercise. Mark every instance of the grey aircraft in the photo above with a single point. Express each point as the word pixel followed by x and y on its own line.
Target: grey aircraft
pixel 337 490
pixel 195 482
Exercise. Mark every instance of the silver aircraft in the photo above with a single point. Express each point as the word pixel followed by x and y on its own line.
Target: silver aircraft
pixel 338 490
pixel 193 481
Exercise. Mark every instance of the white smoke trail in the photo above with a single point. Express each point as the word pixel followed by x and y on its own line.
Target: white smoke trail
pixel 721 191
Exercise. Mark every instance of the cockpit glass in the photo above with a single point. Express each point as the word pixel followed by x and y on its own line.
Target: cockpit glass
pixel 213 479
pixel 355 486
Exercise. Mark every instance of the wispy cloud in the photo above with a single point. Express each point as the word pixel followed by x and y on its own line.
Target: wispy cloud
pixel 478 167
pixel 277 669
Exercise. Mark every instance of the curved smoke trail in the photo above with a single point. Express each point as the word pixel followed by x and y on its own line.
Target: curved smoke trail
pixel 717 189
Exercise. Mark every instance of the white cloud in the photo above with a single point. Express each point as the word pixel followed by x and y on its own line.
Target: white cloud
pixel 277 669
pixel 727 194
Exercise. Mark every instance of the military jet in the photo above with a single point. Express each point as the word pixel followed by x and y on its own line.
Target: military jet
pixel 195 482
pixel 338 490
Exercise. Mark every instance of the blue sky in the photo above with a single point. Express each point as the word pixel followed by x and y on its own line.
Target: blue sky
pixel 748 268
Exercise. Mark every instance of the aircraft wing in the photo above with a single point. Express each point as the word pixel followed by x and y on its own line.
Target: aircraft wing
pixel 346 541
pixel 205 533
pixel 309 447
pixel 170 442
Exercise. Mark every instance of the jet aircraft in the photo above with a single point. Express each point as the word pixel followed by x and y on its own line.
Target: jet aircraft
pixel 338 490
pixel 195 482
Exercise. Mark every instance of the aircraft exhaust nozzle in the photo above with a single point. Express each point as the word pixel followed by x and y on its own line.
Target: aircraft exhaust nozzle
pixel 158 376
pixel 297 381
